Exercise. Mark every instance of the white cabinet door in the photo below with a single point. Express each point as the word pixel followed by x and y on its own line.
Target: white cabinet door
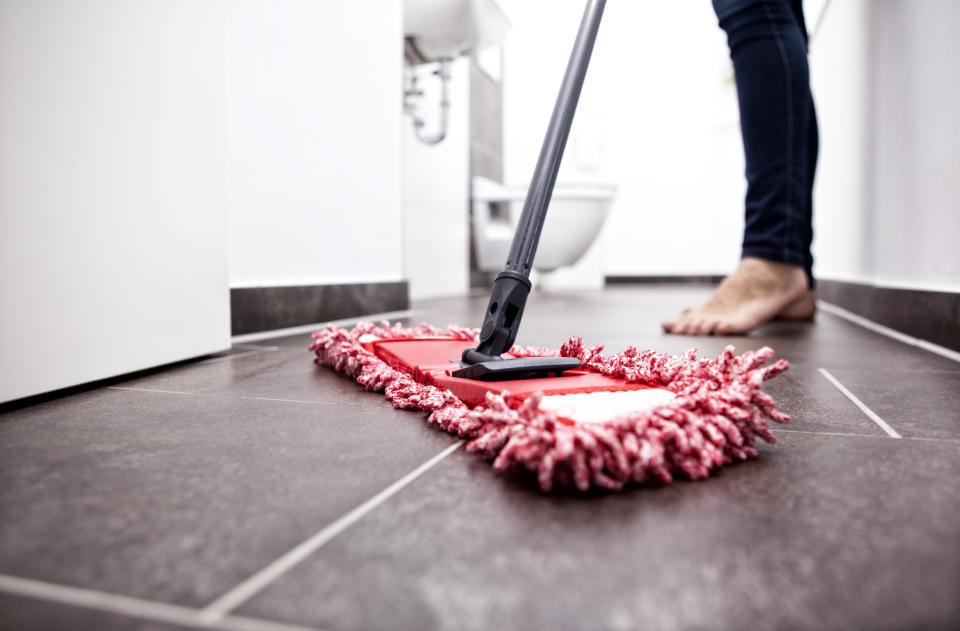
pixel 112 204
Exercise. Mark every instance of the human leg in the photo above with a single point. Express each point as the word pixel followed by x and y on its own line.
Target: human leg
pixel 767 43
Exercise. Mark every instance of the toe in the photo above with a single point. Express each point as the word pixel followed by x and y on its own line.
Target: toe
pixel 706 326
pixel 731 327
pixel 679 324
pixel 724 328
pixel 694 328
pixel 680 327
pixel 709 326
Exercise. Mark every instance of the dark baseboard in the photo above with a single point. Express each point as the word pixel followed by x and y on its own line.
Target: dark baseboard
pixel 680 280
pixel 254 309
pixel 933 316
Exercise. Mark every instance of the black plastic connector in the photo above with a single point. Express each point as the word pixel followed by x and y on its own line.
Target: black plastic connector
pixel 500 325
pixel 502 318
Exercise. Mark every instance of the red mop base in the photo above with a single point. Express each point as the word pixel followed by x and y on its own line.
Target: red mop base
pixel 715 418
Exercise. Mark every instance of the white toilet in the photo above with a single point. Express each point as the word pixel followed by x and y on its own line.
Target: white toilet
pixel 576 214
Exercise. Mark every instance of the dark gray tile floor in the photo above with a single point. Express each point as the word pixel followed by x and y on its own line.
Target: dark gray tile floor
pixel 175 488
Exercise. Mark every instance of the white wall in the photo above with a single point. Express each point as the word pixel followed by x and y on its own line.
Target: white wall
pixel 112 224
pixel 840 83
pixel 657 116
pixel 888 197
pixel 436 190
pixel 314 141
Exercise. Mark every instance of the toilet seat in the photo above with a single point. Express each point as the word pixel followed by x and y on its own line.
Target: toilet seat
pixel 486 190
pixel 577 212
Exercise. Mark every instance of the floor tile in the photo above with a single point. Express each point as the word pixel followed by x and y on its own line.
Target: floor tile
pixel 823 532
pixel 916 403
pixel 179 497
pixel 27 614
pixel 280 374
pixel 631 316
pixel 814 404
pixel 176 486
pixel 622 317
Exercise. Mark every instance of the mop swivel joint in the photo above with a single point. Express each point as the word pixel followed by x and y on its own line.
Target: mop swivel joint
pixel 499 330
pixel 502 318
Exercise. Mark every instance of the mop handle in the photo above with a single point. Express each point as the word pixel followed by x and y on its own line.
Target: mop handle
pixel 524 245
pixel 501 322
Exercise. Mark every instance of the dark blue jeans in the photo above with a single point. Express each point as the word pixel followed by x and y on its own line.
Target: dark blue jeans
pixel 768 46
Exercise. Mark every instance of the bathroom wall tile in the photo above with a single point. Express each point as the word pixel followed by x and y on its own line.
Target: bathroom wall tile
pixel 486 145
pixel 485 164
pixel 486 110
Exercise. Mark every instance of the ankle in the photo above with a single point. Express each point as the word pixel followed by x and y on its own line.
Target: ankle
pixel 752 266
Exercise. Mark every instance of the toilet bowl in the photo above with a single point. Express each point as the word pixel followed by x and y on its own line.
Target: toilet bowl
pixel 576 214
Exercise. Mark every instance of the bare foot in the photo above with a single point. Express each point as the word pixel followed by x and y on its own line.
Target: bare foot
pixel 757 292
pixel 804 308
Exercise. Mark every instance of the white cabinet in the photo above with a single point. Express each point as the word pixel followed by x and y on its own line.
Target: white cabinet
pixel 112 204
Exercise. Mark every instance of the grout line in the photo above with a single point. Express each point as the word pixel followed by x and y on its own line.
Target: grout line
pixel 939 350
pixel 243 623
pixel 870 413
pixel 217 394
pixel 253 585
pixel 852 435
pixel 217 360
pixel 310 328
pixel 808 431
pixel 287 400
pixel 163 612
pixel 887 331
pixel 260 347
pixel 189 394
pixel 133 607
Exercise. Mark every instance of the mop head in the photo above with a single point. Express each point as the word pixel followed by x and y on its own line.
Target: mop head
pixel 636 417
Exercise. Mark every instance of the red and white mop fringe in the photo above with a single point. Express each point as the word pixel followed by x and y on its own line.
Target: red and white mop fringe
pixel 715 419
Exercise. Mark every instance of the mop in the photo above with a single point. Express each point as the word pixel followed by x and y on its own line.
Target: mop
pixel 572 416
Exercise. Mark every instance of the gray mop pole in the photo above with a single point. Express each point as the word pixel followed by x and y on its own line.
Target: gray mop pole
pixel 524 246
pixel 509 294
